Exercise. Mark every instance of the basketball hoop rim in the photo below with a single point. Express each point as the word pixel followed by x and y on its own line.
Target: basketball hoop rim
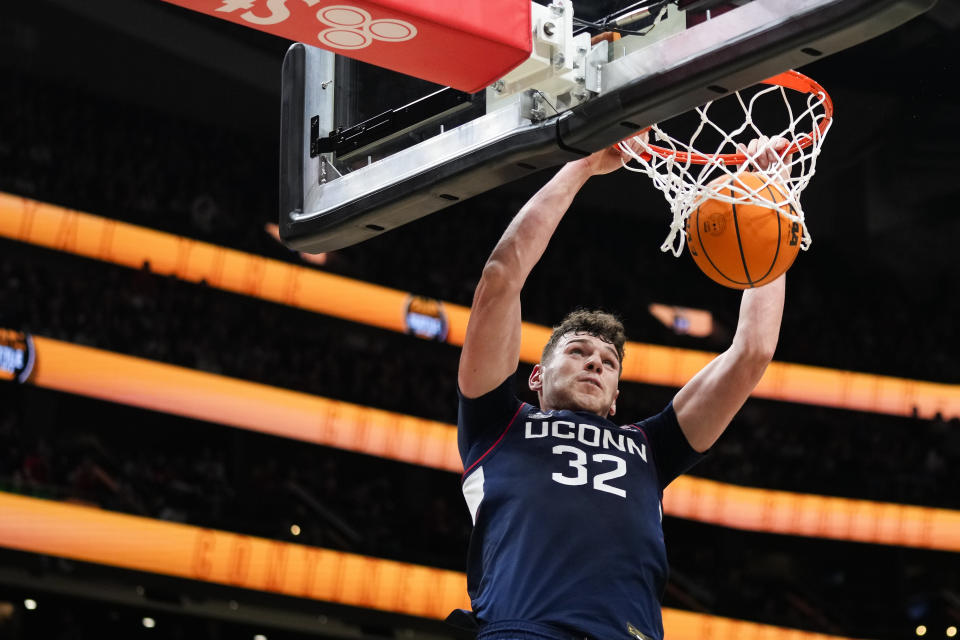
pixel 789 80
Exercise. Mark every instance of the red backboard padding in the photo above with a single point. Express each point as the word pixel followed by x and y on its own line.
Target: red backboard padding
pixel 466 44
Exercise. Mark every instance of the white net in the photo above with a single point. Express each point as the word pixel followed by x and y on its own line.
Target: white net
pixel 707 148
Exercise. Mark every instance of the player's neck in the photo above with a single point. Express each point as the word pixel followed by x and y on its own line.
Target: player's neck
pixel 546 407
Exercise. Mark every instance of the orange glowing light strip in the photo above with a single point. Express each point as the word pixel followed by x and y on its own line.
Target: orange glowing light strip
pixel 816 516
pixel 168 548
pixel 214 398
pixel 184 551
pixel 191 260
pixel 239 403
pixel 686 625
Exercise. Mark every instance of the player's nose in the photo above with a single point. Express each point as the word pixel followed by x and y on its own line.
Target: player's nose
pixel 593 363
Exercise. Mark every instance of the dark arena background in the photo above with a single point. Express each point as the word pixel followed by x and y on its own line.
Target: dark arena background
pixel 140 112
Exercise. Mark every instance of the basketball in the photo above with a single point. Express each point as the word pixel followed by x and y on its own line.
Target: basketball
pixel 743 245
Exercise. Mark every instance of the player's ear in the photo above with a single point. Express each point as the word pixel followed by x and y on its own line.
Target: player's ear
pixel 613 407
pixel 536 378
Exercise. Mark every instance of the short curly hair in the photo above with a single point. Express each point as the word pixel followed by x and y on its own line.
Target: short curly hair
pixel 601 324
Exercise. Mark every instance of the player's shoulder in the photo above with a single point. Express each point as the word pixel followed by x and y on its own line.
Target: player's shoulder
pixel 665 417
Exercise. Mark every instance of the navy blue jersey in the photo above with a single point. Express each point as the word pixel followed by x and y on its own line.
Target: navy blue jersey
pixel 566 509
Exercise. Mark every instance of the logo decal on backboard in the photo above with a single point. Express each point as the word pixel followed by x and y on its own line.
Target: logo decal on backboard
pixel 349 27
pixel 278 11
pixel 354 28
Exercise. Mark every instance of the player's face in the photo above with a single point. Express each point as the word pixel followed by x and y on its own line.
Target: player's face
pixel 581 374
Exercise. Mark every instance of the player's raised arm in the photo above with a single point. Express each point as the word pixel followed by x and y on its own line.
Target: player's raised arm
pixel 491 348
pixel 707 404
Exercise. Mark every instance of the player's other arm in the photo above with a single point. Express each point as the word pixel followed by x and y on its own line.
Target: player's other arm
pixel 491 348
pixel 707 404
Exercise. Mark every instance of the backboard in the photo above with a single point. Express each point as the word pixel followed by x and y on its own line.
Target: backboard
pixel 365 150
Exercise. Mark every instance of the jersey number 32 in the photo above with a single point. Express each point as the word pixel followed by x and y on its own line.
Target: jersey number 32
pixel 581 474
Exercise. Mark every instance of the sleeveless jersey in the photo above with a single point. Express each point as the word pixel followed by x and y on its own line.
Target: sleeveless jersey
pixel 566 510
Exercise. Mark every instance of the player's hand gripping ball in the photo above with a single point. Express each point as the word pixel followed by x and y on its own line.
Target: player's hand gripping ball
pixel 744 245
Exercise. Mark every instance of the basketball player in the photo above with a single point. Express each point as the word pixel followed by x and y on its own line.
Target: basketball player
pixel 566 505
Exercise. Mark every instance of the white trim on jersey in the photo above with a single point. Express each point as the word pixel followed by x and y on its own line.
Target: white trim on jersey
pixel 473 492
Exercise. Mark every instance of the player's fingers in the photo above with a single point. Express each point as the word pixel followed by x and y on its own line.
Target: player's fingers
pixel 754 159
pixel 631 143
pixel 763 151
pixel 769 157
pixel 627 149
pixel 742 150
pixel 778 145
pixel 634 146
pixel 782 145
pixel 769 151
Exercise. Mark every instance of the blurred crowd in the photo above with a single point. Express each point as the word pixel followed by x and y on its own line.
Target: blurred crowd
pixel 157 171
pixel 71 448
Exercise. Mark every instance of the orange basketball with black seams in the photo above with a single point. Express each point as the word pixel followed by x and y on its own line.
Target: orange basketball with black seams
pixel 743 245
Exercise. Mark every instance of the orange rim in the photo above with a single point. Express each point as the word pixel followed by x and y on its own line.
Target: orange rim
pixel 789 80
